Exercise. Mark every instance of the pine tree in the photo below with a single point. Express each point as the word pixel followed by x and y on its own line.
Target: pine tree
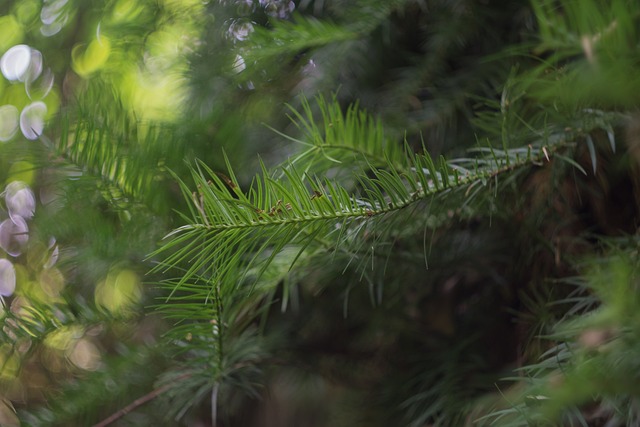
pixel 268 213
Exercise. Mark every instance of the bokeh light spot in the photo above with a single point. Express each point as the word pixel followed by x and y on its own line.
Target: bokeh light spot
pixel 22 171
pixel 52 282
pixel 89 60
pixel 125 10
pixel 52 101
pixel 20 200
pixel 154 96
pixel 119 292
pixel 52 11
pixel 7 278
pixel 39 88
pixel 14 64
pixel 239 64
pixel 64 338
pixel 54 17
pixel 8 122
pixel 85 355
pixel 26 11
pixel 13 235
pixel 53 253
pixel 35 66
pixel 32 120
pixel 241 29
pixel 15 95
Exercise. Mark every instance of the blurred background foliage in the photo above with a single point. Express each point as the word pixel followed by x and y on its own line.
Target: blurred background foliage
pixel 507 296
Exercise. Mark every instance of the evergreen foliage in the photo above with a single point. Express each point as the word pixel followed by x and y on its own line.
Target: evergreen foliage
pixel 412 212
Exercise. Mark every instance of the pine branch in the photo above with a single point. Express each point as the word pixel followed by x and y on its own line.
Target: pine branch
pixel 301 33
pixel 128 166
pixel 229 230
pixel 232 235
pixel 336 137
pixel 291 37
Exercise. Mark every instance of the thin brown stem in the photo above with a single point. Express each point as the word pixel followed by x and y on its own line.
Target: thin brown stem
pixel 137 403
